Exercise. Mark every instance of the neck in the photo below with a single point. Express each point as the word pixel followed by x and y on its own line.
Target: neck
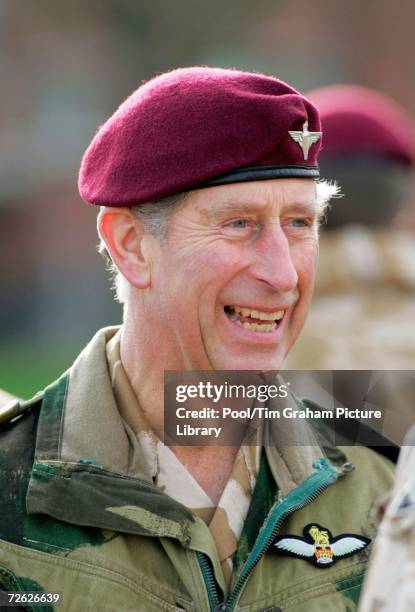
pixel 144 368
pixel 145 360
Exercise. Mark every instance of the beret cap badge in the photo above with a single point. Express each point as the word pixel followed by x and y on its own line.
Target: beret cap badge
pixel 305 139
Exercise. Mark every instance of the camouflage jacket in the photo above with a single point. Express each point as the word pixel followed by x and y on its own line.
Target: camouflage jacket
pixel 79 518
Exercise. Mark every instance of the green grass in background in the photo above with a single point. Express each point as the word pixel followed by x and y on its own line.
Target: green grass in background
pixel 23 371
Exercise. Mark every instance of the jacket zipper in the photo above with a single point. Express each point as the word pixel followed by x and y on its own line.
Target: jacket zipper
pixel 209 580
pixel 325 476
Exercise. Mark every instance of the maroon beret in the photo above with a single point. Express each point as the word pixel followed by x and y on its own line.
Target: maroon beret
pixel 359 120
pixel 197 127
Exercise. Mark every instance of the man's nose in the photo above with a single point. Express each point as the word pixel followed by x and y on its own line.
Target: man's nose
pixel 274 264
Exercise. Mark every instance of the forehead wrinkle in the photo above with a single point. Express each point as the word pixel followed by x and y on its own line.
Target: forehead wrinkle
pixel 256 197
pixel 230 205
pixel 302 206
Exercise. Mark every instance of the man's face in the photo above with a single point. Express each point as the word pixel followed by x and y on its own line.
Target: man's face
pixel 231 283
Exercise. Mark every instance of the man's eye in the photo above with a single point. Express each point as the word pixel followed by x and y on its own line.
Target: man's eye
pixel 300 222
pixel 241 227
pixel 239 223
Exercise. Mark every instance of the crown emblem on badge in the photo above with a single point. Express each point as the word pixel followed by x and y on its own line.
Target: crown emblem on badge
pixel 305 139
pixel 318 545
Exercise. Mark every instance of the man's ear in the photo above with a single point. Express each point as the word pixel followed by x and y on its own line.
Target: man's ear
pixel 124 237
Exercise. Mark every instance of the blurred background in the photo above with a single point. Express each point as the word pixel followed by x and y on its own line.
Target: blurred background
pixel 65 67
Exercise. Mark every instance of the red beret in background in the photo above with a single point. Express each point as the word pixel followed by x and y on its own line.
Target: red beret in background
pixel 359 120
pixel 195 127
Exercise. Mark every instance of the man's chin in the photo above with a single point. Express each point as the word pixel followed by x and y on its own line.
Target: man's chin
pixel 254 362
pixel 226 354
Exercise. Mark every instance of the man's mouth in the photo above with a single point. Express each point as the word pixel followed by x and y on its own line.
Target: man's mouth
pixel 254 320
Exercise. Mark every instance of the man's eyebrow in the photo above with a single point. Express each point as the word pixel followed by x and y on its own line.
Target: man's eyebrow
pixel 244 206
pixel 234 206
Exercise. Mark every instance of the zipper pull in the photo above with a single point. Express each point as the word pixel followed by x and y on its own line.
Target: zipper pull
pixel 347 467
pixel 321 464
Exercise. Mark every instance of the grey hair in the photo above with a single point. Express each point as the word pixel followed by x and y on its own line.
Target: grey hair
pixel 154 216
pixel 325 192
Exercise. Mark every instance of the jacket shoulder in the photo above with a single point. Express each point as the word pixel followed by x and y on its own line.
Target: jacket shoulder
pixel 18 425
pixel 16 408
pixel 18 429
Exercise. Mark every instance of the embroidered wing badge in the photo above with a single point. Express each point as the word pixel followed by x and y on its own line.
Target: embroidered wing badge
pixel 318 545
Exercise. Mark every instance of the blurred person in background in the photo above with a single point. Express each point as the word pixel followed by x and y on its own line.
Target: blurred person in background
pixel 363 313
pixel 365 298
pixel 94 505
pixel 390 583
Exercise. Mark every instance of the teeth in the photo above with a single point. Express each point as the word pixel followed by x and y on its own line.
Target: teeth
pixel 259 314
pixel 258 327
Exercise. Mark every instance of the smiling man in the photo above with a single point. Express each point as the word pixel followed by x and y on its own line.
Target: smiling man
pixel 206 179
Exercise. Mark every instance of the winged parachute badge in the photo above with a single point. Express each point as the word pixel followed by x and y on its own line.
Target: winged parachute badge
pixel 305 139
pixel 318 545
